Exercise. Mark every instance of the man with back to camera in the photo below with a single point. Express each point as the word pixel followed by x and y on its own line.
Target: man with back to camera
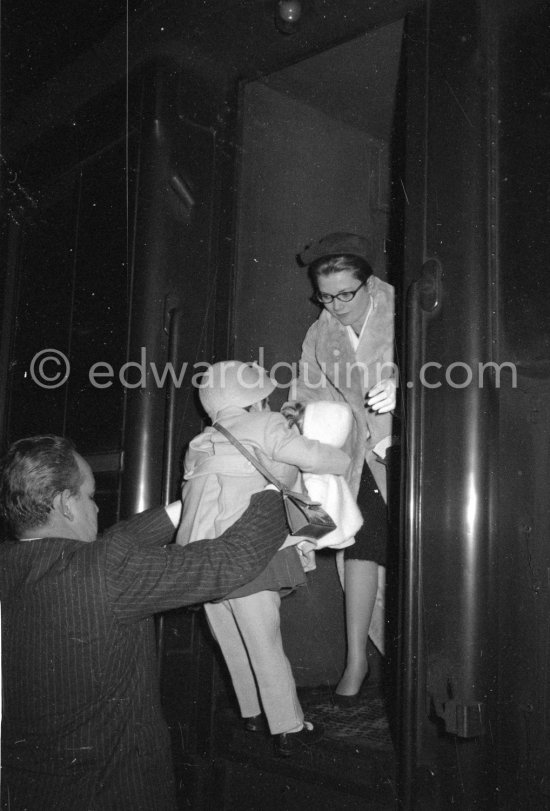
pixel 82 726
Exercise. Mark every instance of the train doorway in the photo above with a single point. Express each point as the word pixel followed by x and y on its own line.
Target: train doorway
pixel 320 151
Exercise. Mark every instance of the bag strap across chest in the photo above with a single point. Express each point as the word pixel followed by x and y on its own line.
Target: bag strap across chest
pixel 251 458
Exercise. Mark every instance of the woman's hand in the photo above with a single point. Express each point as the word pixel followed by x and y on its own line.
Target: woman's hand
pixel 381 398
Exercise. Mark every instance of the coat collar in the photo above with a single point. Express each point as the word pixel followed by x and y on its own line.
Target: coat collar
pixel 334 347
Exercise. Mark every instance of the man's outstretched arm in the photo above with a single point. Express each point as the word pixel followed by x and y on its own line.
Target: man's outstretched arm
pixel 145 581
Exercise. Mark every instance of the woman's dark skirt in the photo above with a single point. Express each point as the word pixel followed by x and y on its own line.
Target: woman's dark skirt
pixel 372 539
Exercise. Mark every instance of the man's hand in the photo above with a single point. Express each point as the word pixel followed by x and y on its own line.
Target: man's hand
pixel 381 398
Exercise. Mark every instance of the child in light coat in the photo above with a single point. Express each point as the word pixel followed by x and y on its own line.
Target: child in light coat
pixel 218 483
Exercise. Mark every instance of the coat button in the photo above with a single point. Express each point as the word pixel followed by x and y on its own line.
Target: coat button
pixel 336 353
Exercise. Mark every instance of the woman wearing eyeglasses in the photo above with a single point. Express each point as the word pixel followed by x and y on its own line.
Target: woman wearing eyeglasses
pixel 347 355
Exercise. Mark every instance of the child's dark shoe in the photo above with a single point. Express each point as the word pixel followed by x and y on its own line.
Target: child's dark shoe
pixel 289 744
pixel 255 723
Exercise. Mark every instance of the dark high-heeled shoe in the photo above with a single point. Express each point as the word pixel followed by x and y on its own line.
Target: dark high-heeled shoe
pixel 352 700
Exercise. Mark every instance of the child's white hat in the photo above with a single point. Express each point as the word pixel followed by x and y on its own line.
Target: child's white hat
pixel 233 383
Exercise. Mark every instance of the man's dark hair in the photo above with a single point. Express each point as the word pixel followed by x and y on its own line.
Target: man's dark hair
pixel 32 473
pixel 327 265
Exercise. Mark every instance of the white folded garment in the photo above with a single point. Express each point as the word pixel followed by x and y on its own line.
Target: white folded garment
pixel 336 498
pixel 331 423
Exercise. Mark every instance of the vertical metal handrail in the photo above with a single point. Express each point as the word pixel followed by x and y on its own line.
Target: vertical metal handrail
pixel 172 327
pixel 423 297
pixel 172 315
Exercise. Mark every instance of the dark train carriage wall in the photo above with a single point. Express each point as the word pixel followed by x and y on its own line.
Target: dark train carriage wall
pixel 168 195
pixel 173 291
pixel 67 306
pixel 115 266
pixel 112 289
pixel 524 425
pixel 146 161
pixel 481 456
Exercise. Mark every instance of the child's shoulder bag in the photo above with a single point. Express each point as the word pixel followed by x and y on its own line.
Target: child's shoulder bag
pixel 304 517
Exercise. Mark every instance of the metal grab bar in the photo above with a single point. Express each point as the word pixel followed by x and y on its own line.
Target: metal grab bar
pixel 172 316
pixel 423 297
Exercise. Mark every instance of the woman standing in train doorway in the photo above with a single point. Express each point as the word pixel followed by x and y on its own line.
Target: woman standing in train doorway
pixel 347 355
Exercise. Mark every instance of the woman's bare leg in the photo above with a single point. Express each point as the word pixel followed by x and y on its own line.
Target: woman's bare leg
pixel 361 585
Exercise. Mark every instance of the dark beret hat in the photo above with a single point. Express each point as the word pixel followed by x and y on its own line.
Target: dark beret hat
pixel 336 244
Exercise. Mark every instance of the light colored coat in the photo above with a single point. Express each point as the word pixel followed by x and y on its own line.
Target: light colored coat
pixel 219 480
pixel 330 369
